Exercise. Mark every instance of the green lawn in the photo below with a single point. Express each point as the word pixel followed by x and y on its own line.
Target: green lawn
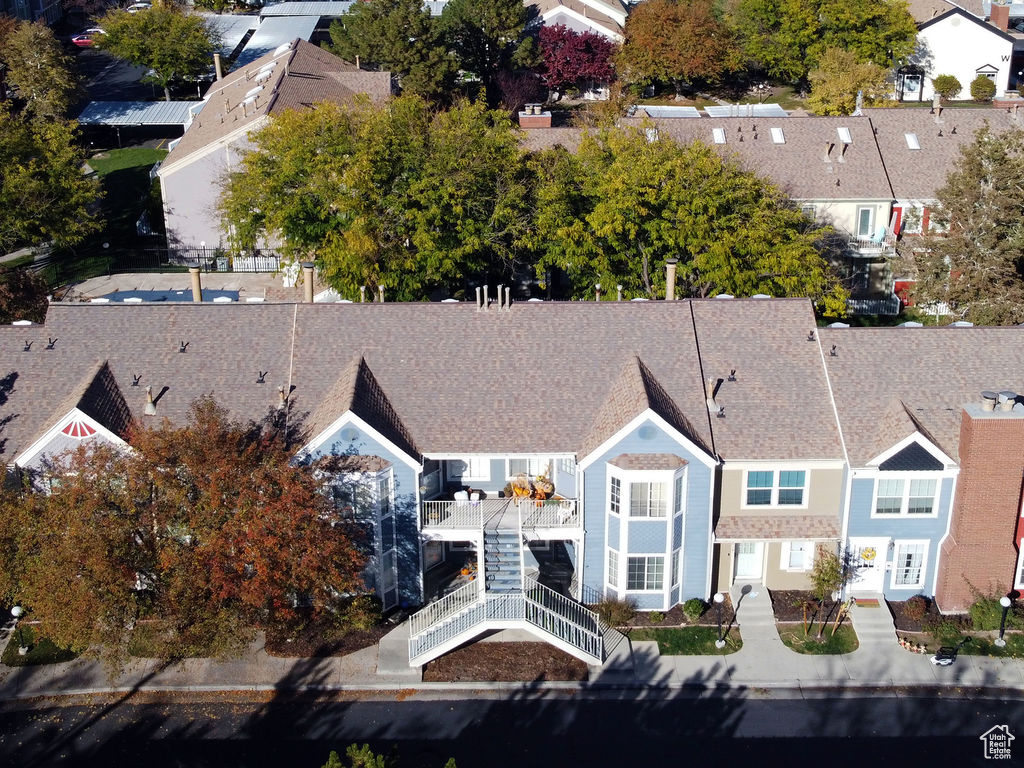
pixel 843 641
pixel 119 159
pixel 985 647
pixel 41 650
pixel 689 641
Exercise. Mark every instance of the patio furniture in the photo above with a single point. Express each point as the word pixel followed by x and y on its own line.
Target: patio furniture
pixel 462 496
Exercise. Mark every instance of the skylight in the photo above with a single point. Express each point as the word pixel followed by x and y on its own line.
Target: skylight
pixel 719 135
pixel 777 136
pixel 844 134
pixel 912 142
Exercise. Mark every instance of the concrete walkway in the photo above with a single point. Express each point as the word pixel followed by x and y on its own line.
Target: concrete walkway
pixel 879 664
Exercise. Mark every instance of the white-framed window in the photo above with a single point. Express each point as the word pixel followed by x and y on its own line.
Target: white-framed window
pixel 645 573
pixel 797 556
pixel 648 499
pixel 384 488
pixel 531 467
pixel 567 466
pixel 768 488
pixel 469 468
pixel 677 495
pixel 865 218
pixel 615 495
pixel 1019 582
pixel 613 568
pixel 809 211
pixel 906 496
pixel 909 564
pixel 363 496
pixel 675 567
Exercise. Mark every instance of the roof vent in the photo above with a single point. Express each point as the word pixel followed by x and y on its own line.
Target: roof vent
pixel 777 136
pixel 760 296
pixel 838 325
pixel 1007 399
pixel 282 48
pixel 262 378
pixel 449 301
pixel 988 400
pixel 912 142
pixel 136 379
pixel 961 324
pixel 910 324
pixel 725 296
pixel 254 91
pixel 22 322
pixel 150 409
pixel 50 342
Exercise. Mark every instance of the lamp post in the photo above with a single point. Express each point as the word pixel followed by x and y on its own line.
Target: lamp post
pixel 17 612
pixel 719 599
pixel 1005 602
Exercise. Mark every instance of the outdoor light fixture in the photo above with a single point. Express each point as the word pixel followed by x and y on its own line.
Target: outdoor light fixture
pixel 17 612
pixel 1005 602
pixel 719 599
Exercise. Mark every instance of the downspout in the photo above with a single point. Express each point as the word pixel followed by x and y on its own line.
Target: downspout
pixel 949 525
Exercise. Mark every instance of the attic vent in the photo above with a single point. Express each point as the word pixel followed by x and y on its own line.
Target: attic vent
pixel 718 134
pixel 912 142
pixel 283 48
pixel 777 136
pixel 253 91
pixel 844 134
pixel 78 429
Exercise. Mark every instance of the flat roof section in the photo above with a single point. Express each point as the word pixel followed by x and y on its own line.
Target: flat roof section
pixel 120 113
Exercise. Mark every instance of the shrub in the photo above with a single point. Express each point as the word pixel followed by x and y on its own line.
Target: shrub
pixel 982 88
pixel 947 86
pixel 916 607
pixel 694 608
pixel 986 613
pixel 655 617
pixel 616 612
pixel 944 630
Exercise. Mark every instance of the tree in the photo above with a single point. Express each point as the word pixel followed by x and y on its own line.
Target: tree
pixel 400 36
pixel 396 196
pixel 614 212
pixel 836 83
pixel 23 296
pixel 675 41
pixel 571 57
pixel 983 88
pixel 947 86
pixel 829 574
pixel 972 257
pixel 43 194
pixel 39 70
pixel 174 44
pixel 204 531
pixel 488 36
pixel 788 38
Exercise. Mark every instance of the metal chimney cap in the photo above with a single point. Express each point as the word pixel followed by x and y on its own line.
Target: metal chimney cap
pixel 1007 394
pixel 672 260
pixel 987 394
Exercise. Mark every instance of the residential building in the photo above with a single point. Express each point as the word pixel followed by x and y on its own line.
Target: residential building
pixel 296 75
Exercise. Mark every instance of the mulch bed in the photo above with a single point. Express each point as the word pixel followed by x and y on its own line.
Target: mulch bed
pixel 786 603
pixel 906 623
pixel 320 640
pixel 504 662
pixel 675 617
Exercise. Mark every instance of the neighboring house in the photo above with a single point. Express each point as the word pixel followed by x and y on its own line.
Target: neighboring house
pixel 961 44
pixel 49 11
pixel 295 76
pixel 602 17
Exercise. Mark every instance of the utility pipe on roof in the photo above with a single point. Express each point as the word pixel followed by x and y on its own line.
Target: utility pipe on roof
pixel 217 66
pixel 670 278
pixel 307 282
pixel 197 284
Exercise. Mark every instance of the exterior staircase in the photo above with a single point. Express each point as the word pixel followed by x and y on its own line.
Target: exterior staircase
pixel 508 600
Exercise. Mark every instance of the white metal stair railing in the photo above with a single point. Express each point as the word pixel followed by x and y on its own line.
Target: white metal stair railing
pixel 449 605
pixel 440 633
pixel 569 621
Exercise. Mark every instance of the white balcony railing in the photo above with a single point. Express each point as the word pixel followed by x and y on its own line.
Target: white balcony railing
pixel 459 514
pixel 550 513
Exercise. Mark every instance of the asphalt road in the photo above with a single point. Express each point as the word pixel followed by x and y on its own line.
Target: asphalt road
pixel 110 79
pixel 541 730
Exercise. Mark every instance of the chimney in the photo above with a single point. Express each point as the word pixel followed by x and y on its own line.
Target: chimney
pixel 217 66
pixel 828 152
pixel 999 16
pixel 197 284
pixel 380 291
pixel 670 278
pixel 988 400
pixel 534 117
pixel 858 107
pixel 150 409
pixel 307 282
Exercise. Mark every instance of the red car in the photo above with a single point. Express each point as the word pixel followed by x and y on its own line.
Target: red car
pixel 85 39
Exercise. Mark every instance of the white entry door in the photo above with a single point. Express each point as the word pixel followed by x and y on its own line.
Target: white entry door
pixel 749 559
pixel 869 557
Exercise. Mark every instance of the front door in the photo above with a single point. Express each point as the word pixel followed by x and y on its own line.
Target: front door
pixel 749 560
pixel 868 560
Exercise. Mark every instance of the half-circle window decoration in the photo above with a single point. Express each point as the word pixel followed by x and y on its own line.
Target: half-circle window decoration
pixel 78 429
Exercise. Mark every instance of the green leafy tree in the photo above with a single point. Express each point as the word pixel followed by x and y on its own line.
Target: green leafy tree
pixel 23 296
pixel 947 86
pixel 675 41
pixel 174 44
pixel 43 194
pixel 973 254
pixel 488 37
pixel 983 88
pixel 39 70
pixel 788 38
pixel 829 575
pixel 835 84
pixel 398 196
pixel 400 36
pixel 615 212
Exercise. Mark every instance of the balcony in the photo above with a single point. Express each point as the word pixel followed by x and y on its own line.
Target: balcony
pixel 511 512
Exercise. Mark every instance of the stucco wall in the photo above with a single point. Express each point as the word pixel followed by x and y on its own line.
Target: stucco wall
pixel 959 47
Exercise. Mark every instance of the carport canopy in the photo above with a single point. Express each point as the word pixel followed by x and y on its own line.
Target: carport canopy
pixel 131 113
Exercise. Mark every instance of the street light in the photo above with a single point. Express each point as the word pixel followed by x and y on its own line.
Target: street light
pixel 719 599
pixel 17 612
pixel 1005 602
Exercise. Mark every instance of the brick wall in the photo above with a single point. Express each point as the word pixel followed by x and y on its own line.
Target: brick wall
pixel 980 546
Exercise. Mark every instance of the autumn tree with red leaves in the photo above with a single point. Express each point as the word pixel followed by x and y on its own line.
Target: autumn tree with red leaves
pixel 571 58
pixel 203 532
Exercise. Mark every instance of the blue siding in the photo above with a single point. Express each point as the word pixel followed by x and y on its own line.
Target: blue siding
pixel 406 482
pixel 677 531
pixel 565 484
pixel 651 535
pixel 931 529
pixel 613 532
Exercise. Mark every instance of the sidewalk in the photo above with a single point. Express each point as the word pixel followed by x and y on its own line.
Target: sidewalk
pixel 762 663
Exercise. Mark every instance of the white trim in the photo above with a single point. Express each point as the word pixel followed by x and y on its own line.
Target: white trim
pixel 350 418
pixel 949 526
pixel 759 465
pixel 1018 583
pixel 906 478
pixel 223 142
pixel 775 488
pixel 646 555
pixel 647 414
pixel 469 474
pixel 915 437
pixel 629 477
pixel 546 463
pixel 74 414
pixel 897 543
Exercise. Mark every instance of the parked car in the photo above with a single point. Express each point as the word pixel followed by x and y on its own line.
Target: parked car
pixel 136 7
pixel 85 39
